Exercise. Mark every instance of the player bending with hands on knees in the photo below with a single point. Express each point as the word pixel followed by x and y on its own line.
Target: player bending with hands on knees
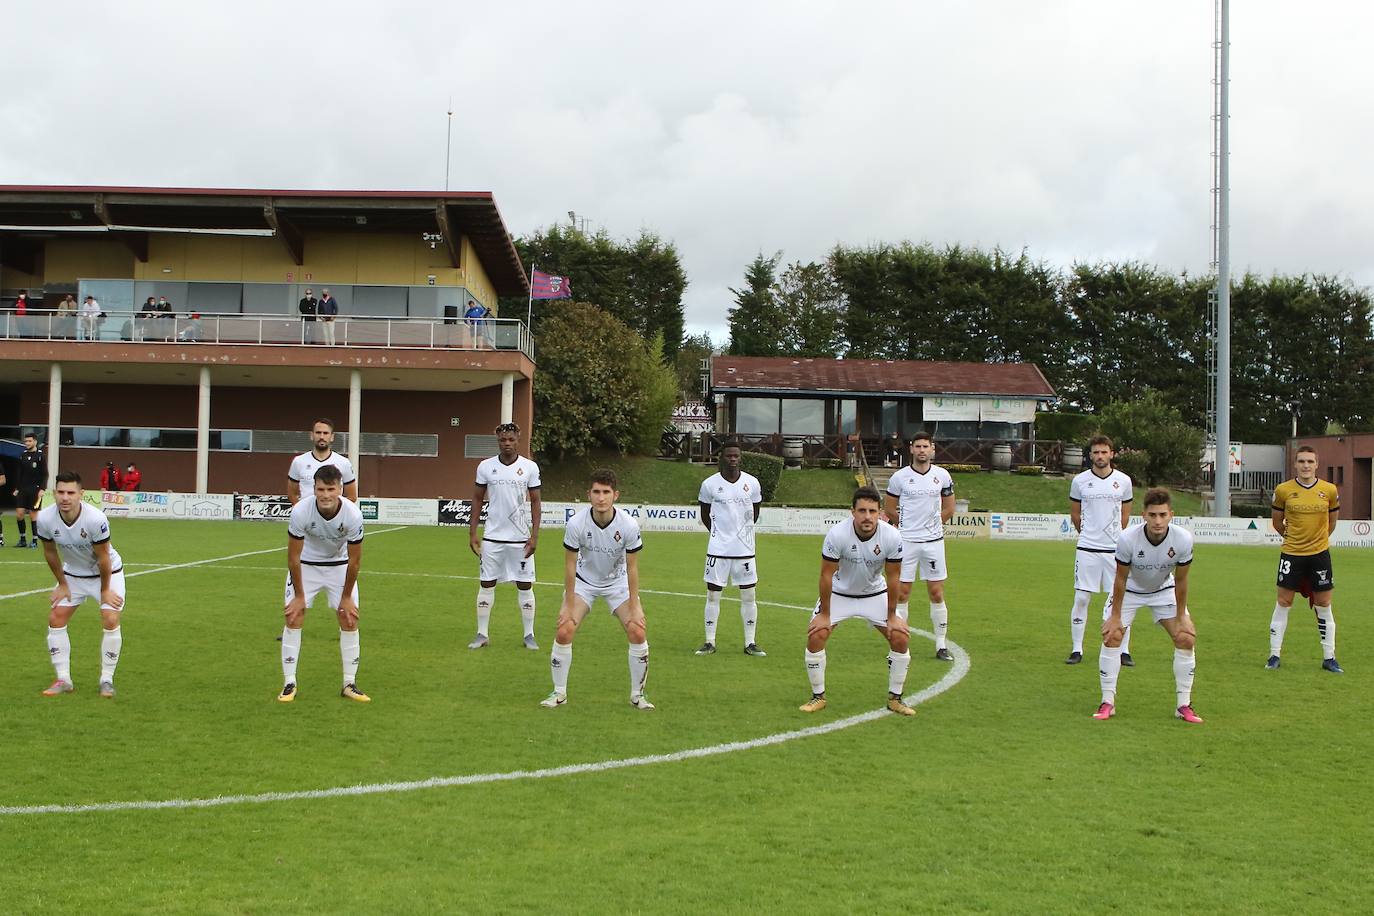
pixel 1152 563
pixel 923 501
pixel 83 560
pixel 601 560
pixel 324 551
pixel 1305 510
pixel 861 560
pixel 728 505
pixel 509 484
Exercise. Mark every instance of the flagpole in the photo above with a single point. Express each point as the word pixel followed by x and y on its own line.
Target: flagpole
pixel 529 309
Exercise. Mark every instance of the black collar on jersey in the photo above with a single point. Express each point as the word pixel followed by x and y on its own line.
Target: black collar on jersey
pixel 863 540
pixel 325 458
pixel 922 473
pixel 1110 471
pixel 1307 486
pixel 1154 543
pixel 591 512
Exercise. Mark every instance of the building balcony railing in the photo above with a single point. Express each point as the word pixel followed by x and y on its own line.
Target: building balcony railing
pixel 277 330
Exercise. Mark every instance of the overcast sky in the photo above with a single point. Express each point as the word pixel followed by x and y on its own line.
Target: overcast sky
pixel 1077 129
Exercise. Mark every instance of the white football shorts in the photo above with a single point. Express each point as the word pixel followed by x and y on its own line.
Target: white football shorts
pixel 1094 571
pixel 742 571
pixel 928 557
pixel 616 594
pixel 872 608
pixel 1161 604
pixel 327 579
pixel 83 588
pixel 505 562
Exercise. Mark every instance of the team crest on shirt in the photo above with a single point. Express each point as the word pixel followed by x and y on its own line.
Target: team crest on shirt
pixel 83 534
pixel 1171 553
pixel 1116 485
pixel 746 488
pixel 519 472
pixel 341 527
pixel 877 549
pixel 617 537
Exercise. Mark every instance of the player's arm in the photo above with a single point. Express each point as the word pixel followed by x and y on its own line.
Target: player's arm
pixel 569 570
pixel 892 571
pixel 893 509
pixel 704 514
pixel 828 569
pixel 63 591
pixel 1279 521
pixel 1181 589
pixel 946 508
pixel 479 495
pixel 1333 516
pixel 348 609
pixel 351 490
pixel 758 507
pixel 296 605
pixel 536 512
pixel 1125 513
pixel 1112 630
pixel 1076 514
pixel 632 575
pixel 293 490
pixel 106 566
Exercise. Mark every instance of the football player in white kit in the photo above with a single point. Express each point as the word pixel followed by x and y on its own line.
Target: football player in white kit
pixel 1152 563
pixel 601 560
pixel 324 551
pixel 304 465
pixel 924 501
pixel 77 546
pixel 509 483
pixel 1100 508
pixel 860 562
pixel 728 503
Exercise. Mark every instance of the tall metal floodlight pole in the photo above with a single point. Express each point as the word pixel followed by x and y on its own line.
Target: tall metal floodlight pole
pixel 448 145
pixel 1222 464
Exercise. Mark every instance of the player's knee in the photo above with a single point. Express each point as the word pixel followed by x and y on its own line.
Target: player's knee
pixel 488 583
pixel 109 620
pixel 899 640
pixel 1113 642
pixel 294 619
pixel 1185 640
pixel 936 591
pixel 520 586
pixel 816 639
pixel 567 629
pixel 635 631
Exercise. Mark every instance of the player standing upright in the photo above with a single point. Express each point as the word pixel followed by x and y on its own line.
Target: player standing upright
pixel 324 552
pixel 601 560
pixel 924 501
pixel 509 483
pixel 1152 563
pixel 77 546
pixel 729 502
pixel 1305 511
pixel 28 489
pixel 1100 507
pixel 860 565
pixel 304 465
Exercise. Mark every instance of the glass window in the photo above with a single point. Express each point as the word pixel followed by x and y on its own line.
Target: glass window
pixel 911 417
pixel 143 438
pixel 945 430
pixel 803 417
pixel 85 435
pixel 233 440
pixel 892 418
pixel 756 415
pixel 845 418
pixel 996 430
pixel 178 438
pixel 113 435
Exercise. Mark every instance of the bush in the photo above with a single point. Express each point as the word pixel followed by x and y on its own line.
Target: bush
pixel 767 468
pixel 1030 470
pixel 1133 462
pixel 962 468
pixel 826 463
pixel 1066 427
pixel 1173 449
pixel 1247 510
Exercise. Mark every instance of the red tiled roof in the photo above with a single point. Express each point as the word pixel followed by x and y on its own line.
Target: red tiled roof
pixel 875 376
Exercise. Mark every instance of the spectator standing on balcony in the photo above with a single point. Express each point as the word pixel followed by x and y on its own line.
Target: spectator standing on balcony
pixel 328 310
pixel 88 320
pixel 309 307
pixel 109 476
pixel 133 477
pixel 474 315
pixel 66 315
pixel 21 304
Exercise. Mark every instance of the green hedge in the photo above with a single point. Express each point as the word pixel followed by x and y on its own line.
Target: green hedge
pixel 1246 510
pixel 962 468
pixel 767 468
pixel 1030 470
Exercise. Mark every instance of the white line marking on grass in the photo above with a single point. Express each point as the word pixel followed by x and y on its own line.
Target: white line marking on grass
pixel 171 566
pixel 956 673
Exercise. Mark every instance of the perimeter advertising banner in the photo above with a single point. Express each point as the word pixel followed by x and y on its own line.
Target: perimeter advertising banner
pixel 136 504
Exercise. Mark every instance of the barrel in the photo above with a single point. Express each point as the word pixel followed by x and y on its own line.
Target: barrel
pixel 1001 457
pixel 792 452
pixel 1073 459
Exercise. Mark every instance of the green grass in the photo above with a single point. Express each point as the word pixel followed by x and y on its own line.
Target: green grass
pixel 1002 795
pixel 1018 493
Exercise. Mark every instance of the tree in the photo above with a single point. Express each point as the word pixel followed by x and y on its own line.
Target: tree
pixel 687 364
pixel 598 383
pixel 808 299
pixel 758 324
pixel 1148 423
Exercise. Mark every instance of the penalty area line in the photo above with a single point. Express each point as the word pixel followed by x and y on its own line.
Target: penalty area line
pixel 953 676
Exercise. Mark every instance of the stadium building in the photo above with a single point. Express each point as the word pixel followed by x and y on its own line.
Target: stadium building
pixel 214 392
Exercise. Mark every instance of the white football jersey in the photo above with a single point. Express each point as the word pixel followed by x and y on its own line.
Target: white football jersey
pixel 1101 499
pixel 326 539
pixel 732 514
pixel 919 496
pixel 1152 565
pixel 304 466
pixel 508 498
pixel 601 551
pixel 76 542
pixel 862 563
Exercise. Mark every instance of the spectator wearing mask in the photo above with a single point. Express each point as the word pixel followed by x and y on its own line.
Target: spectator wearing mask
pixel 133 477
pixel 328 311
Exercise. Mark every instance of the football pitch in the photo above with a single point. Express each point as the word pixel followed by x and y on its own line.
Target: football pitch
pixel 1001 795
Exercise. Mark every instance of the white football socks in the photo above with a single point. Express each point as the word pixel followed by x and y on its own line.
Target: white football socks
pixel 1326 629
pixel 1108 669
pixel 110 645
pixel 485 597
pixel 749 613
pixel 939 622
pixel 349 655
pixel 815 670
pixel 290 653
pixel 526 598
pixel 897 664
pixel 560 660
pixel 1277 625
pixel 1184 665
pixel 712 614
pixel 1078 619
pixel 60 652
pixel 639 668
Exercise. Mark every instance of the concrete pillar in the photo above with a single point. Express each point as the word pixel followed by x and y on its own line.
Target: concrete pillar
pixel 203 433
pixel 507 397
pixel 355 422
pixel 54 422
